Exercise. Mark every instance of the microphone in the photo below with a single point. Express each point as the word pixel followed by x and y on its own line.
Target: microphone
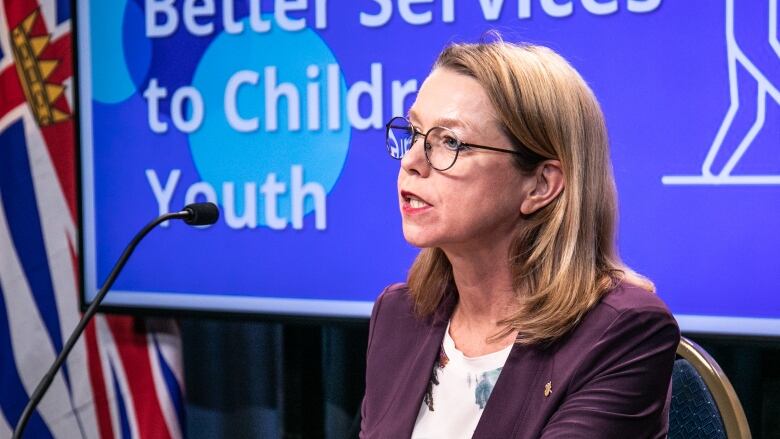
pixel 201 214
pixel 195 214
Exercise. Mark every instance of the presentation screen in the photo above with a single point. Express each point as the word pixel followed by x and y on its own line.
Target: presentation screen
pixel 275 110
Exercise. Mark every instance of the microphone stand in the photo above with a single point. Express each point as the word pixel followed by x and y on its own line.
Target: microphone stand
pixel 47 379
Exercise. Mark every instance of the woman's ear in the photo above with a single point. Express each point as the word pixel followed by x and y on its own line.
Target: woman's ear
pixel 548 182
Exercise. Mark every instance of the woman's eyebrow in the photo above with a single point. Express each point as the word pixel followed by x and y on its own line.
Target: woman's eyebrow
pixel 449 122
pixel 446 122
pixel 411 115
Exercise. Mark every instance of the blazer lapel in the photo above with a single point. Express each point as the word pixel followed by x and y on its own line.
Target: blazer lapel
pixel 408 397
pixel 524 369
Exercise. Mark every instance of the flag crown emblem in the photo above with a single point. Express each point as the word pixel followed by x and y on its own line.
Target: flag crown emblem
pixel 34 71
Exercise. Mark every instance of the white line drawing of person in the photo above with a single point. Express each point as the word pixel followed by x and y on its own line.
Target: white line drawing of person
pixel 753 53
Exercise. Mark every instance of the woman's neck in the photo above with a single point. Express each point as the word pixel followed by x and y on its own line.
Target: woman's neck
pixel 485 297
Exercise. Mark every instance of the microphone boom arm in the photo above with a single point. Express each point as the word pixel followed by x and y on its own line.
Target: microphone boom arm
pixel 47 379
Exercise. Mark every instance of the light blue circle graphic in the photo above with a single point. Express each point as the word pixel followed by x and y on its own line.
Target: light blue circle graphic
pixel 248 153
pixel 112 80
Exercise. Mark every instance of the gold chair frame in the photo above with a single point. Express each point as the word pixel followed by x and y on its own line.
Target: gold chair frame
pixel 720 387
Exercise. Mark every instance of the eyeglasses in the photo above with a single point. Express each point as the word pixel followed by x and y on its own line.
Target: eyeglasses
pixel 441 145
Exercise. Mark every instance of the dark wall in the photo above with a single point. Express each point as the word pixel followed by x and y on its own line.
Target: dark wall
pixel 250 379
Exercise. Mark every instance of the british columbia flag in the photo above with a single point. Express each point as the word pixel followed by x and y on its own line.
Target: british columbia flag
pixel 123 379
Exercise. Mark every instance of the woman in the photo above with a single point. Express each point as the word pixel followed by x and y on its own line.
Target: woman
pixel 518 318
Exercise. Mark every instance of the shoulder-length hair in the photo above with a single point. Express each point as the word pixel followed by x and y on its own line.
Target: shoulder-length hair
pixel 563 257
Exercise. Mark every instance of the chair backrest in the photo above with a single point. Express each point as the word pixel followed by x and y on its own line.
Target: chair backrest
pixel 704 404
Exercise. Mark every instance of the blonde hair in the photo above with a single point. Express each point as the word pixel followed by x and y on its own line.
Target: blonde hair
pixel 563 257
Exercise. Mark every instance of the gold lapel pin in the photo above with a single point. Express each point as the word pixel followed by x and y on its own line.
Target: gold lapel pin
pixel 548 388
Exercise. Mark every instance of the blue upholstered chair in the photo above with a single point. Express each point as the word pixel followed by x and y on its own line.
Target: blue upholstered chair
pixel 704 404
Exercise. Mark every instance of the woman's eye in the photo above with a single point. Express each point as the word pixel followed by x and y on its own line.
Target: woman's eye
pixel 451 143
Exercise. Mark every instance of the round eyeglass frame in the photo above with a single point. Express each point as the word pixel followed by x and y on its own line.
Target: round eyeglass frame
pixel 405 123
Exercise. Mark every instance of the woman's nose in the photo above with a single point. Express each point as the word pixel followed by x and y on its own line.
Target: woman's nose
pixel 414 160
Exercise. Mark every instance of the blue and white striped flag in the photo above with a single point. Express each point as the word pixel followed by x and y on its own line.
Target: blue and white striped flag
pixel 123 379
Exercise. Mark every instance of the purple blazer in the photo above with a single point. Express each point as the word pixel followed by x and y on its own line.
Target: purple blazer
pixel 610 376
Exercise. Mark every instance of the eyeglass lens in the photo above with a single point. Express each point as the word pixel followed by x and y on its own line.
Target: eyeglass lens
pixel 441 144
pixel 399 137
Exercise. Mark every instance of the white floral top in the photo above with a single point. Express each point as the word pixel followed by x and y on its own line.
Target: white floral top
pixel 457 392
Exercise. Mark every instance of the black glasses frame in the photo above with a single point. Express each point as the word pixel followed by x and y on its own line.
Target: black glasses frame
pixel 427 146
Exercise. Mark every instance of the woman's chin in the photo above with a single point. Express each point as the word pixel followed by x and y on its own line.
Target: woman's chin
pixel 419 238
pixel 419 243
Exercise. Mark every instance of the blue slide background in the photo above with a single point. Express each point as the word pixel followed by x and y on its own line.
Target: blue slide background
pixel 662 78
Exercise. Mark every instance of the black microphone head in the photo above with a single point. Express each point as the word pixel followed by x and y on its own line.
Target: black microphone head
pixel 201 214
